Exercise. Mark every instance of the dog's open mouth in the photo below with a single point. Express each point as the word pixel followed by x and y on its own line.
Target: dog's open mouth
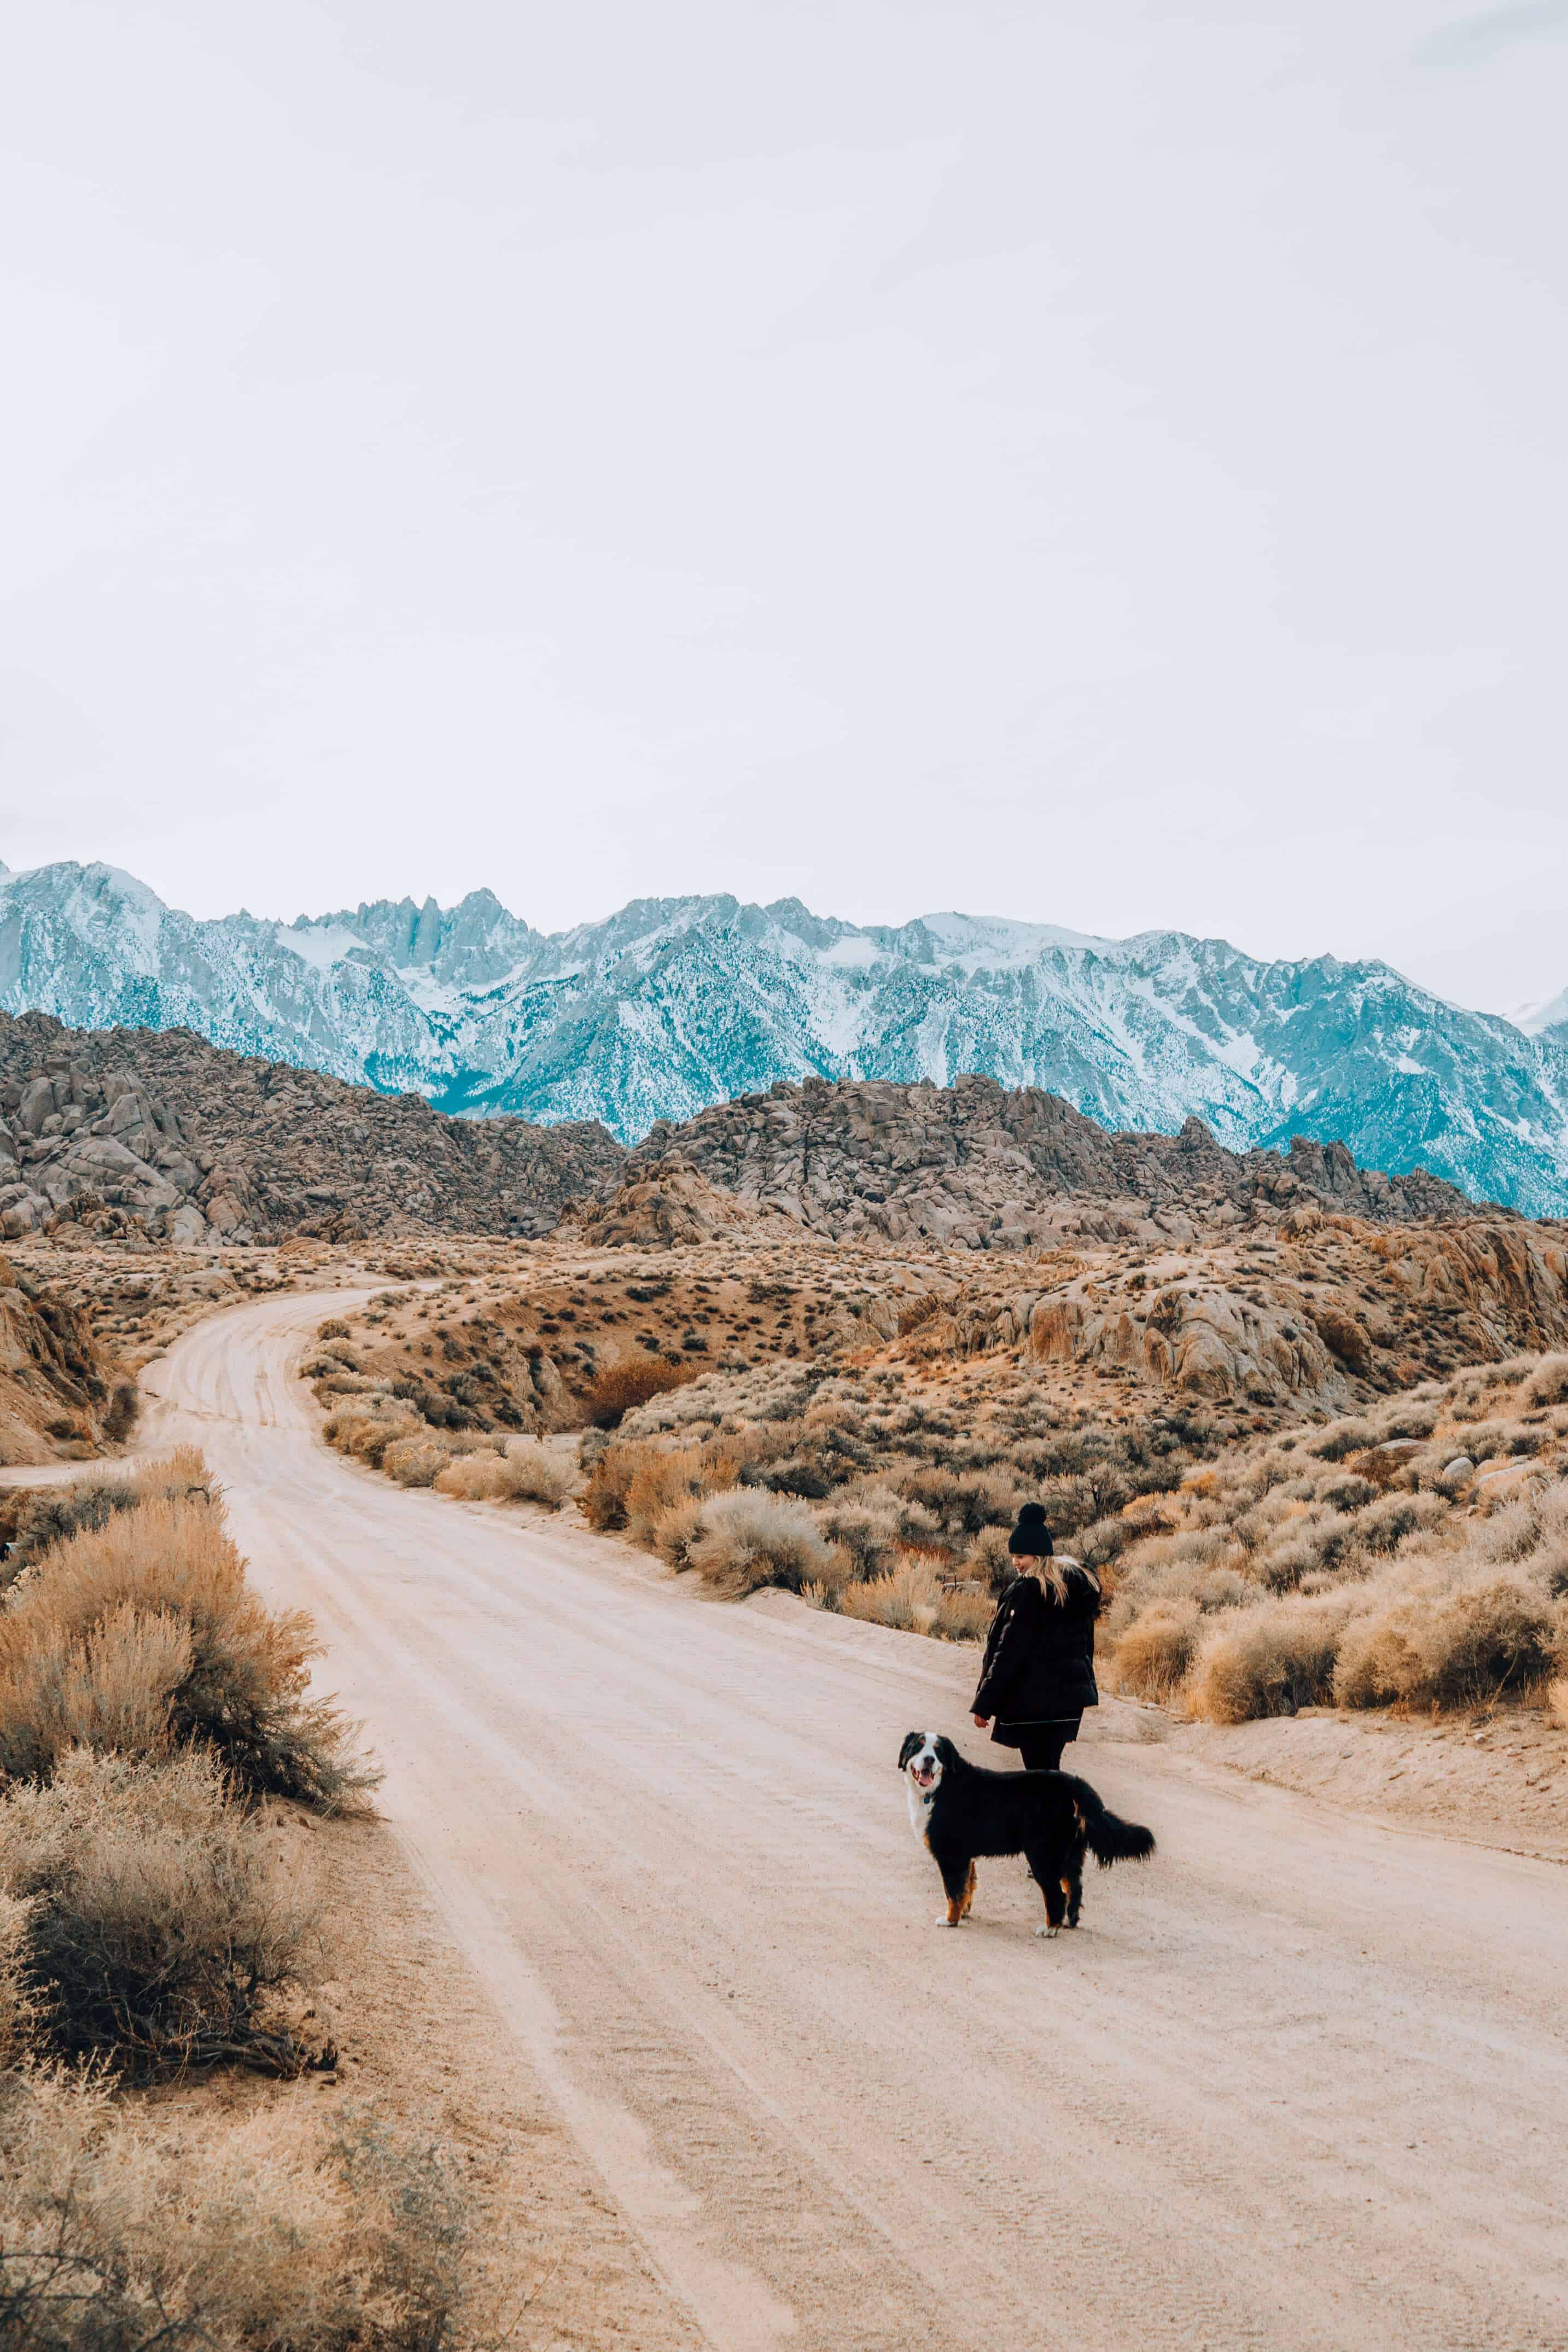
pixel 922 1776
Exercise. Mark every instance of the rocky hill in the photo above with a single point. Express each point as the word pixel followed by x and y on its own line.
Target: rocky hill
pixel 972 1166
pixel 160 1133
pixel 64 1391
pixel 674 1004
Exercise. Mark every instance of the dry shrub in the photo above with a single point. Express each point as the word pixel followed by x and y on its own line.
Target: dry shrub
pixel 662 1479
pixel 619 1389
pixel 746 1538
pixel 416 1460
pixel 1385 1526
pixel 367 1438
pixel 159 1920
pixel 990 1559
pixel 51 1514
pixel 677 1529
pixel 280 2231
pixel 965 1501
pixel 609 1484
pixel 1557 1701
pixel 1322 1538
pixel 112 1688
pixel 111 1601
pixel 1548 1383
pixel 526 1471
pixel 1154 1655
pixel 474 1478
pixel 872 1524
pixel 18 2002
pixel 537 1474
pixel 636 1483
pixel 1269 1659
pixel 1449 1637
pixel 963 1614
pixel 124 1412
pixel 909 1596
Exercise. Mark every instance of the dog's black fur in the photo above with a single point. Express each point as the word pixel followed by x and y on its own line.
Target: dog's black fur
pixel 1052 1819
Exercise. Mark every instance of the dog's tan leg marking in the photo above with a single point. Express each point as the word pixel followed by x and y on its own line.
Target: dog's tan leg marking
pixel 957 1907
pixel 968 1895
pixel 1049 1927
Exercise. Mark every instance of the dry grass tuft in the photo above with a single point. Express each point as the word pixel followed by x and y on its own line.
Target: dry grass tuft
pixel 1154 1655
pixel 414 1461
pixel 908 1597
pixel 50 1515
pixel 1268 1659
pixel 525 1472
pixel 746 1538
pixel 158 1920
pixel 1459 1632
pixel 277 2232
pixel 540 1474
pixel 140 1630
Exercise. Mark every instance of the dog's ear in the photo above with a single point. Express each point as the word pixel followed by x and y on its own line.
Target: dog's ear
pixel 945 1750
pixel 912 1740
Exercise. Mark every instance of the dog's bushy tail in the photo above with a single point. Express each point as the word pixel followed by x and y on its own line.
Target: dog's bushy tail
pixel 1111 1839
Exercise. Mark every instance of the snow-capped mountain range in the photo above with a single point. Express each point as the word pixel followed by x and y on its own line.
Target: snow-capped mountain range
pixel 674 1003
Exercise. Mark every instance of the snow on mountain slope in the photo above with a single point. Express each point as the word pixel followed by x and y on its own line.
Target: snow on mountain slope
pixel 1554 1014
pixel 672 1004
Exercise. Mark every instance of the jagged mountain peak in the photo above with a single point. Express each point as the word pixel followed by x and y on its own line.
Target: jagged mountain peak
pixel 674 1003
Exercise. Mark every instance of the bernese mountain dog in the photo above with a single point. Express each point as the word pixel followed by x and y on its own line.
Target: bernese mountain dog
pixel 959 1810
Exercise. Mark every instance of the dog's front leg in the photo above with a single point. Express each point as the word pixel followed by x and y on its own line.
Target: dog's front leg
pixel 958 1885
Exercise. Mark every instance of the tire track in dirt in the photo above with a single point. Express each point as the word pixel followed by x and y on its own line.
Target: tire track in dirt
pixel 1297 2084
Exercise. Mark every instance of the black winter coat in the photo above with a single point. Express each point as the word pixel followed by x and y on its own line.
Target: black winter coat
pixel 1040 1653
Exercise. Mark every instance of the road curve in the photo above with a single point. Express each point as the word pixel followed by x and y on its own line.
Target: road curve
pixel 1298 2083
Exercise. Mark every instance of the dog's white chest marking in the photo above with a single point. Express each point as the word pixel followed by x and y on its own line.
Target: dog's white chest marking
pixel 919 1809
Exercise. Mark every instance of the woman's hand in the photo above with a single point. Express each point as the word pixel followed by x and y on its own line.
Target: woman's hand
pixel 980 1721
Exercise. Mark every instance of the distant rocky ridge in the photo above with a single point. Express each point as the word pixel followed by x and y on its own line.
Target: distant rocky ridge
pixel 677 1004
pixel 972 1166
pixel 159 1133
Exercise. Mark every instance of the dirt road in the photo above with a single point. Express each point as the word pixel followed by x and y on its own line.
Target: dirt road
pixel 1299 2082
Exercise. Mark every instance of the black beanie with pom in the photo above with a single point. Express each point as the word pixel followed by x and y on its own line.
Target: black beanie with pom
pixel 1030 1539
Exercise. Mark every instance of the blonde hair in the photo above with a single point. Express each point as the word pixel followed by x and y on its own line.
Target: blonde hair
pixel 1052 1574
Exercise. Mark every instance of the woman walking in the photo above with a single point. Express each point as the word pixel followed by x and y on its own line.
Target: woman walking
pixel 1039 1671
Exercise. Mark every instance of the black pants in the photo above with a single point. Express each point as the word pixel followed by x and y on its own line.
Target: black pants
pixel 1040 1744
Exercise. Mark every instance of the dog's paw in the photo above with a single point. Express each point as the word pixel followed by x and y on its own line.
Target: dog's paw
pixel 1048 1931
pixel 944 1922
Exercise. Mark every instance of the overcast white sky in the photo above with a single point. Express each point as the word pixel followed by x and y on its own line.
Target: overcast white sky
pixel 1098 463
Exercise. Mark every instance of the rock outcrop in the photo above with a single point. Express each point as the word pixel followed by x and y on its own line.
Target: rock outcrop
pixel 63 1393
pixel 1330 1308
pixel 157 1133
pixel 669 1205
pixel 973 1166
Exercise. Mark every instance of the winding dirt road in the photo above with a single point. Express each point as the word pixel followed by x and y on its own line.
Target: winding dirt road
pixel 1300 2082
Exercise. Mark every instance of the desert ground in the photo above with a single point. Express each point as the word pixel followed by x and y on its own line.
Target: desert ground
pixel 1296 2082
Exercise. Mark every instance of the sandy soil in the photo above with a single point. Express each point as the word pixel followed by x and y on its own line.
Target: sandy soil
pixel 1497 1779
pixel 1296 2083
